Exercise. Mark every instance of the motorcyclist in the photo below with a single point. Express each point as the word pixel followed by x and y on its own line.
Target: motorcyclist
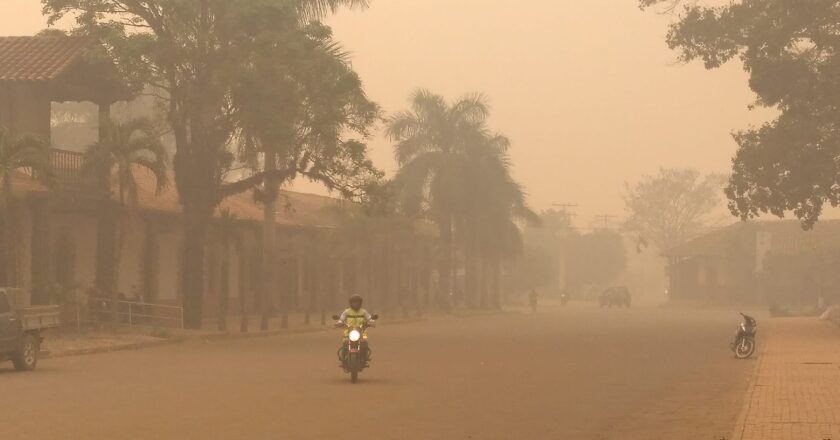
pixel 532 298
pixel 355 317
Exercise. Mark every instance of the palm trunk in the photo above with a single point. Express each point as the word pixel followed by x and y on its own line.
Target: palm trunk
pixel 482 273
pixel 121 224
pixel 471 280
pixel 445 269
pixel 496 281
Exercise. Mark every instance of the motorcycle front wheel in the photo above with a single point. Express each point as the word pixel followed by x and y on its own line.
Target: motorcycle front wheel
pixel 744 348
pixel 353 361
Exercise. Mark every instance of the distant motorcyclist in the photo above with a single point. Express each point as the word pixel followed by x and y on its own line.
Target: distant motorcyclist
pixel 356 317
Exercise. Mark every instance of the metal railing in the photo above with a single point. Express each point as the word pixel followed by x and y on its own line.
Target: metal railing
pixel 133 313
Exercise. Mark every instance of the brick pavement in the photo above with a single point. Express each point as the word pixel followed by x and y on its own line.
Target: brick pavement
pixel 795 394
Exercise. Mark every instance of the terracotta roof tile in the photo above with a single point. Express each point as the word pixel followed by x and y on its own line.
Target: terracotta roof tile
pixel 293 208
pixel 39 58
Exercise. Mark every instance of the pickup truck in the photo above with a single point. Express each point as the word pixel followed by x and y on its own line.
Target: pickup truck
pixel 21 326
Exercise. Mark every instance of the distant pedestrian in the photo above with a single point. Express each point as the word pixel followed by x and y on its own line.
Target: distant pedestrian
pixel 532 298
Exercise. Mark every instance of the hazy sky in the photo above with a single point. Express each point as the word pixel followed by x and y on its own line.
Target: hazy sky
pixel 586 89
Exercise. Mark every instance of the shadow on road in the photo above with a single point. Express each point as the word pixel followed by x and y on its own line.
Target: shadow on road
pixel 362 381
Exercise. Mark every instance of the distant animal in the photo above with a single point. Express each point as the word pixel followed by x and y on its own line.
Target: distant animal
pixel 618 296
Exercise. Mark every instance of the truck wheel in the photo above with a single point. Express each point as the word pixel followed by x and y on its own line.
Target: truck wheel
pixel 27 356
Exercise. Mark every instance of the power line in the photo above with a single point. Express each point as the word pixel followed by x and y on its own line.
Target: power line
pixel 606 219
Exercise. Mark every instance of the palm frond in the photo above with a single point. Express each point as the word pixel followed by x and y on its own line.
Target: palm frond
pixel 316 9
pixel 473 108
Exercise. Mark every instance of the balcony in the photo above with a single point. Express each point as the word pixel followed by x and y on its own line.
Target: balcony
pixel 67 166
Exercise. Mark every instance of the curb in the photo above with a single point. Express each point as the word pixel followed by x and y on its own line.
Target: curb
pixel 212 337
pixel 108 349
pixel 481 314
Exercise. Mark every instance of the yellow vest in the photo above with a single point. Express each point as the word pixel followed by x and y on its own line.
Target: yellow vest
pixel 355 318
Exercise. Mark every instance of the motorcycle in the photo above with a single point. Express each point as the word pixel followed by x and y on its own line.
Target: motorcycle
pixel 564 299
pixel 744 343
pixel 354 352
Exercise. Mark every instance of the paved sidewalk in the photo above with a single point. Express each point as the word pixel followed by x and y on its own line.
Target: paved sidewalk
pixel 89 341
pixel 796 391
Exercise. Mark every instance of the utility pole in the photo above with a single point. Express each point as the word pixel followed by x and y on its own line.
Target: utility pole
pixel 606 219
pixel 565 208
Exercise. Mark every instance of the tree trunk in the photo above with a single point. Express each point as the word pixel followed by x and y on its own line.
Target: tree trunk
pixel 245 286
pixel 195 234
pixel 269 244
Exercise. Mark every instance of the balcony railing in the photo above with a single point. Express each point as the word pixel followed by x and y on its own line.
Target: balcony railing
pixel 67 166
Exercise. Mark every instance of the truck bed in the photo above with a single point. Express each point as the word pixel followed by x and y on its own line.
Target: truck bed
pixel 39 317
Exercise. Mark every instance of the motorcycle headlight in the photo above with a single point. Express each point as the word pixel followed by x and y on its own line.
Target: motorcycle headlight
pixel 355 335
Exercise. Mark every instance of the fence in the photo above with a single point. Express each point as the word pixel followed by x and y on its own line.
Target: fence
pixel 101 310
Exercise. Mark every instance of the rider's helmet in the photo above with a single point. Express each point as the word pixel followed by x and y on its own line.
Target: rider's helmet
pixel 355 302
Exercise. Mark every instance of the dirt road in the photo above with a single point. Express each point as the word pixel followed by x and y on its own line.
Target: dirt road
pixel 573 373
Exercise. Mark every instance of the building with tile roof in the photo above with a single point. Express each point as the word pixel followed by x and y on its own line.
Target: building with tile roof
pixel 37 71
pixel 73 236
pixel 772 262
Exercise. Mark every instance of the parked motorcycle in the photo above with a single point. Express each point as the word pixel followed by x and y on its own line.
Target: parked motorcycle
pixel 354 352
pixel 744 344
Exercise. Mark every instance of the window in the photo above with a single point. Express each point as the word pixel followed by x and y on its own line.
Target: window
pixel 4 303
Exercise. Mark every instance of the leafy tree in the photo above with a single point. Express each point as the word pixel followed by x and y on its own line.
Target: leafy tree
pixel 123 148
pixel 790 51
pixel 193 53
pixel 671 207
pixel 304 105
pixel 489 218
pixel 18 156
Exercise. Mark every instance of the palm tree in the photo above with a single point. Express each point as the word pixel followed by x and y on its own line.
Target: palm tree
pixel 24 155
pixel 494 206
pixel 123 148
pixel 433 142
